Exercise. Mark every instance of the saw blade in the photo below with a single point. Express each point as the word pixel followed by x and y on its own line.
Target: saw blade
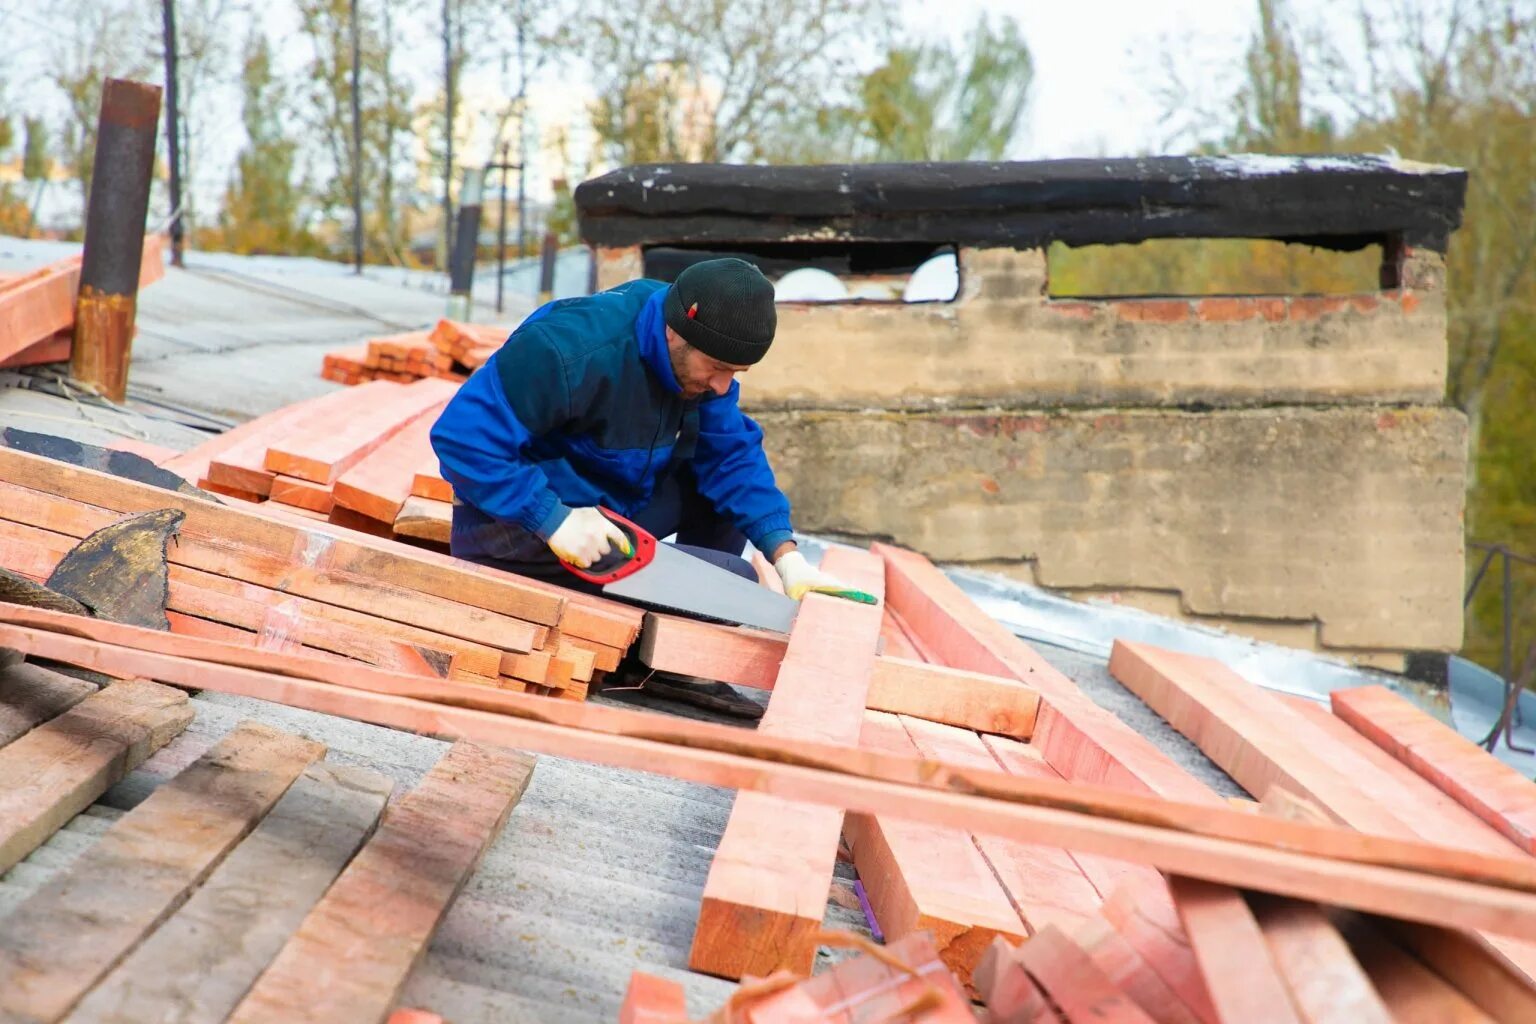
pixel 679 581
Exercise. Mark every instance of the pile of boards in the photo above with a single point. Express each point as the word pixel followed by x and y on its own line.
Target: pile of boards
pixel 1048 932
pixel 242 574
pixel 356 457
pixel 37 307
pixel 1063 867
pixel 235 918
pixel 452 350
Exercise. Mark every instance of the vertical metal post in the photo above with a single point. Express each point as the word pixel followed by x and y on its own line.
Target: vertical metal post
pixel 357 144
pixel 172 128
pixel 1507 656
pixel 461 267
pixel 522 132
pixel 501 231
pixel 114 236
pixel 447 232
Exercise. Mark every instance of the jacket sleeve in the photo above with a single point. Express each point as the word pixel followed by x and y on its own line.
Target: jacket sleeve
pixel 483 435
pixel 734 474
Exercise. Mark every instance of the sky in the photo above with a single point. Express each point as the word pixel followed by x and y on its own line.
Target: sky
pixel 1096 65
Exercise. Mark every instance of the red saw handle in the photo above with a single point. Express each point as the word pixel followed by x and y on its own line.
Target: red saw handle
pixel 616 565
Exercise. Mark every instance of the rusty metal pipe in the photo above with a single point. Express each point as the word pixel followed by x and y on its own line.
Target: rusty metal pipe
pixel 114 236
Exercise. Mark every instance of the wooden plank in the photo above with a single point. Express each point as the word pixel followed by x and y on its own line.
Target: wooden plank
pixel 205 957
pixel 56 348
pixel 897 644
pixel 1130 972
pixel 373 925
pixel 1411 992
pixel 328 449
pixel 31 695
pixel 302 494
pixel 1010 994
pixel 65 936
pixel 1264 742
pixel 385 584
pixel 1327 985
pixel 922 878
pixel 59 768
pixel 242 464
pixel 1477 780
pixel 278 619
pixel 1237 964
pixel 766 893
pixel 749 657
pixel 425 519
pixel 1074 982
pixel 379 484
pixel 1499 989
pixel 1409 880
pixel 33 309
pixel 1044 884
pixel 653 1000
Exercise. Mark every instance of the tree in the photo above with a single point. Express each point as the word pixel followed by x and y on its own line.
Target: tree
pixel 935 102
pixel 96 41
pixel 263 207
pixel 704 80
pixel 327 103
pixel 205 53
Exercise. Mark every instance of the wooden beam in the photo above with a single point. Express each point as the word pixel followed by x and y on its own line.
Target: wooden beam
pixel 1327 985
pixel 380 484
pixel 1043 884
pixel 1240 974
pixel 59 768
pixel 922 878
pixel 205 957
pixel 1480 782
pixel 653 1000
pixel 1131 973
pixel 31 695
pixel 1412 993
pixel 1410 880
pixel 1074 982
pixel 238 458
pixel 766 893
pixel 1010 994
pixel 64 937
pixel 37 306
pixel 324 451
pixel 1264 742
pixel 425 519
pixel 302 494
pixel 750 657
pixel 373 925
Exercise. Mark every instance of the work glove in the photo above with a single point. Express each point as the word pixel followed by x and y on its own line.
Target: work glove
pixel 586 536
pixel 801 578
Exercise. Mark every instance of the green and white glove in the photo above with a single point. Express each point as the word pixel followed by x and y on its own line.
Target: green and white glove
pixel 801 578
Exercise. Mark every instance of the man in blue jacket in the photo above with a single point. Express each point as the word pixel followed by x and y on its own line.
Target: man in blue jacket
pixel 625 399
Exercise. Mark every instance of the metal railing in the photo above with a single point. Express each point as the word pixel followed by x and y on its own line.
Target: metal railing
pixel 1514 682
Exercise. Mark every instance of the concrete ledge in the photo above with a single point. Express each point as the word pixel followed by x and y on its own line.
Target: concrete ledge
pixel 1346 517
pixel 1003 340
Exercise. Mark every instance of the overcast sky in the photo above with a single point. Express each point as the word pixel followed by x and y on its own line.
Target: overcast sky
pixel 1096 63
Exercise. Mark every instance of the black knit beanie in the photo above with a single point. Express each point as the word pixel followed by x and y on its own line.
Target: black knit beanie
pixel 723 308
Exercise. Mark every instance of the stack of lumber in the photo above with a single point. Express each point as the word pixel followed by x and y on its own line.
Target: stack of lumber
pixel 37 307
pixel 452 350
pixel 1213 912
pixel 236 883
pixel 359 457
pixel 1100 934
pixel 283 583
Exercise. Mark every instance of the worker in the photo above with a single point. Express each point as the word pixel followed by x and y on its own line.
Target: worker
pixel 626 399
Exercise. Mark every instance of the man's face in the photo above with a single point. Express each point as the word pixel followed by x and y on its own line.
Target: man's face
pixel 697 374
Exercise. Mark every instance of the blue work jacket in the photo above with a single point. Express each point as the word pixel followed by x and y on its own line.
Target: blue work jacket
pixel 580 407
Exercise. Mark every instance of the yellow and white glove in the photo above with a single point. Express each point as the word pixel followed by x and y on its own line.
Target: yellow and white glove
pixel 586 536
pixel 801 578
